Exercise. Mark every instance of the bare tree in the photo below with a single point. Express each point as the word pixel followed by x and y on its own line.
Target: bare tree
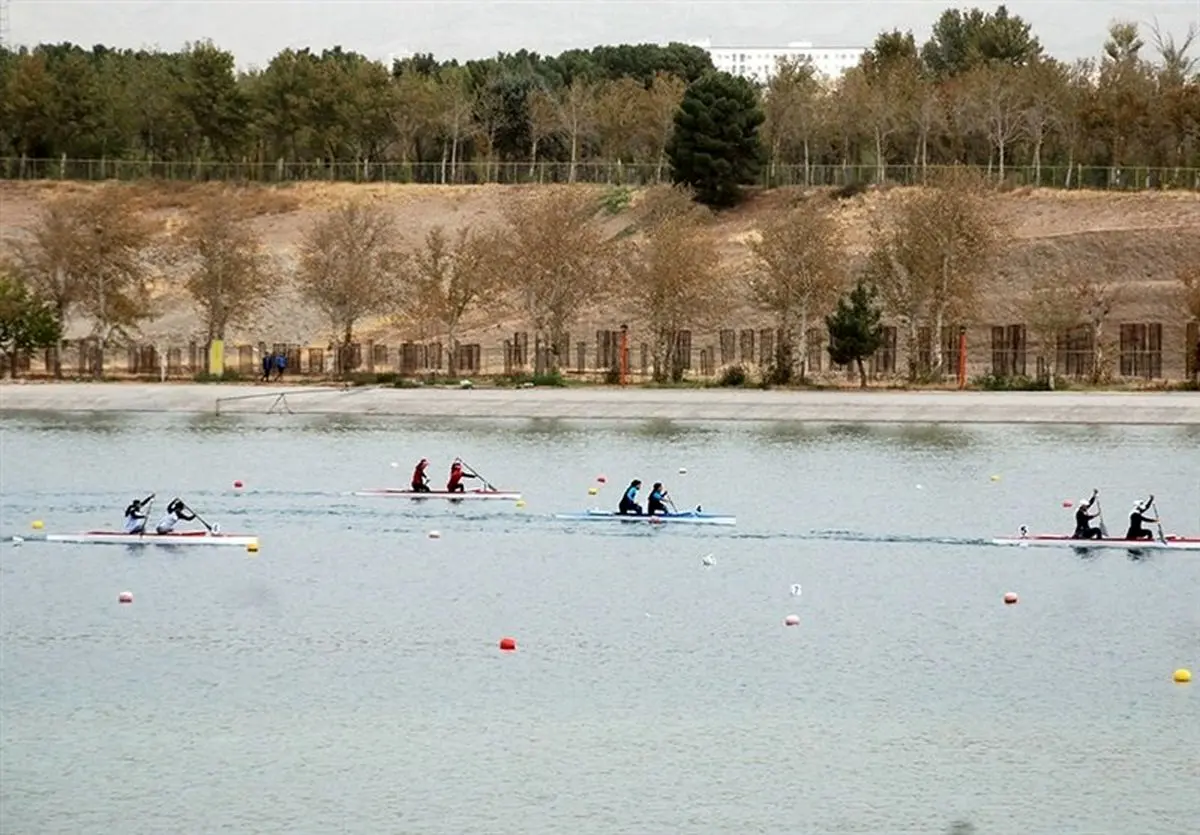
pixel 1189 296
pixel 228 272
pixel 893 267
pixel 92 254
pixel 1189 287
pixel 543 122
pixel 557 258
pixel 800 272
pixel 617 118
pixel 661 103
pixel 413 111
pixel 577 117
pixel 1095 295
pixel 48 256
pixel 1051 312
pixel 349 268
pixel 993 102
pixel 453 104
pixel 1044 99
pixel 673 276
pixel 931 254
pixel 791 108
pixel 878 97
pixel 450 277
pixel 1177 65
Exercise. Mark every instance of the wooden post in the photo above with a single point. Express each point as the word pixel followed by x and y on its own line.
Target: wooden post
pixel 624 359
pixel 962 358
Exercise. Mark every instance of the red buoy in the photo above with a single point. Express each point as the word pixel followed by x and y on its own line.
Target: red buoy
pixel 237 485
pixel 508 644
pixel 601 479
pixel 1010 598
pixel 125 597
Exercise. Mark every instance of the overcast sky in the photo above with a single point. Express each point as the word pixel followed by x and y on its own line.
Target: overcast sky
pixel 254 30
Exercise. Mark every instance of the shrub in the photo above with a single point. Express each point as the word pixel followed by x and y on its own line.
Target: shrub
pixel 734 376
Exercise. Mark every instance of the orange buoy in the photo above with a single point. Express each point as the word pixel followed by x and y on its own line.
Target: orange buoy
pixel 125 597
pixel 508 644
pixel 1010 598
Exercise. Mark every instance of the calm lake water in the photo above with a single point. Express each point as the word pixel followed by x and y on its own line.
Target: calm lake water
pixel 347 677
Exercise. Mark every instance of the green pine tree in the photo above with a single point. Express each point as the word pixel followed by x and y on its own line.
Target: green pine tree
pixel 715 147
pixel 27 323
pixel 855 329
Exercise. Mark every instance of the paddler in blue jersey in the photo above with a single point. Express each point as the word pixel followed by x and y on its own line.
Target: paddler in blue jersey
pixel 1083 519
pixel 629 499
pixel 1138 518
pixel 655 501
pixel 135 519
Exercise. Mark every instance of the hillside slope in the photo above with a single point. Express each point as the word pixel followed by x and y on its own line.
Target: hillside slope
pixel 1138 238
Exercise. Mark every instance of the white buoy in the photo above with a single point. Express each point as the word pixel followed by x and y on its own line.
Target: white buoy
pixel 395 463
pixel 435 535
pixel 796 590
pixel 709 559
pixel 683 470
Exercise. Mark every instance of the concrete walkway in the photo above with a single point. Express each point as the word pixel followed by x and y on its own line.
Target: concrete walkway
pixel 1169 408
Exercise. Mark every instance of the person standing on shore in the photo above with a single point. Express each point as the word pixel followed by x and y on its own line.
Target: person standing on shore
pixel 268 363
pixel 280 364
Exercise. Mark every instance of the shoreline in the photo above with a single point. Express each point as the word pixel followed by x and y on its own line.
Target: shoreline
pixel 590 404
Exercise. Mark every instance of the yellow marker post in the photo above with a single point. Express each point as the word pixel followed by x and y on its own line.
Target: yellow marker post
pixel 216 357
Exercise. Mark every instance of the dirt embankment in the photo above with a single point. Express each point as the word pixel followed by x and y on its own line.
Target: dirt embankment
pixel 1142 239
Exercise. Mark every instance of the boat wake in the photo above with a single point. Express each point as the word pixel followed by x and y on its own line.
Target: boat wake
pixel 859 536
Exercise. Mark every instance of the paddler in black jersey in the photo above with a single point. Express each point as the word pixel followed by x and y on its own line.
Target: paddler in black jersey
pixel 1083 519
pixel 1138 518
pixel 655 501
pixel 629 502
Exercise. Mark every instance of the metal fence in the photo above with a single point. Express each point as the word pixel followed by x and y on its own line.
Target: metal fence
pixel 1140 350
pixel 593 172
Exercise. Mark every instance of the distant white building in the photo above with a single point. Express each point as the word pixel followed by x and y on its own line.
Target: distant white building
pixel 758 63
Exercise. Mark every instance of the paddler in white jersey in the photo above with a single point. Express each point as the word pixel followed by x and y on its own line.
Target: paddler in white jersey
pixel 135 519
pixel 176 512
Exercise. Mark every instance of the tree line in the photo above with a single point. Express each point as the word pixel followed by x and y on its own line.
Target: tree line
pixel 554 256
pixel 980 91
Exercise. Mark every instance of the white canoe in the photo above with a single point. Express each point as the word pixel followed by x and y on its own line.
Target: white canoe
pixel 404 493
pixel 685 517
pixel 1170 543
pixel 122 538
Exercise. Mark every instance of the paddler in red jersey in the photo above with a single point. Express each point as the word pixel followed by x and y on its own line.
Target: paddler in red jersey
pixel 457 474
pixel 420 481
